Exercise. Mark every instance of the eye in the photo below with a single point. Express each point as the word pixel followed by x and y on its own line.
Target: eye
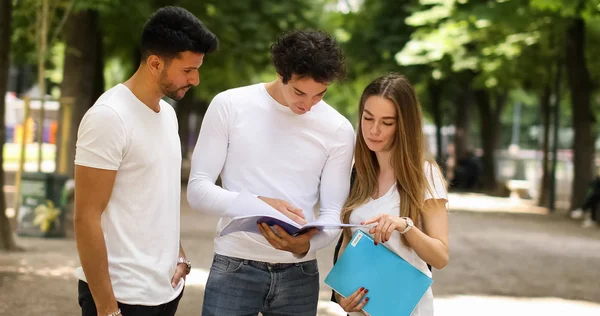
pixel 367 118
pixel 187 71
pixel 388 124
pixel 299 93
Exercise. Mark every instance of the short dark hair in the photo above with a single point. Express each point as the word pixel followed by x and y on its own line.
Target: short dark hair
pixel 172 30
pixel 308 53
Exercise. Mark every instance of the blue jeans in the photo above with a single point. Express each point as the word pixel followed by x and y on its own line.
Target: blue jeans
pixel 238 287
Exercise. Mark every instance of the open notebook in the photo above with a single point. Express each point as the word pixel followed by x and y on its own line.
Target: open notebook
pixel 250 211
pixel 395 286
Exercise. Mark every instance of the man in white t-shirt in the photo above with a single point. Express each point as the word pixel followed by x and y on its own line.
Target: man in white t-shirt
pixel 128 177
pixel 280 141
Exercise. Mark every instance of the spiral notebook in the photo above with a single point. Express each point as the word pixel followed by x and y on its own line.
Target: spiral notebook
pixel 395 286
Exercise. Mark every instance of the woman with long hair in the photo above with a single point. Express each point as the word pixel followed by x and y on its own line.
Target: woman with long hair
pixel 396 185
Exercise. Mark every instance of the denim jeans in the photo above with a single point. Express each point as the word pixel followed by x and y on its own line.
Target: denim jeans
pixel 238 287
pixel 88 307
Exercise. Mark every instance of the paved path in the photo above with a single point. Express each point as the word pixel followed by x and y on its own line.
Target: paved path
pixel 501 263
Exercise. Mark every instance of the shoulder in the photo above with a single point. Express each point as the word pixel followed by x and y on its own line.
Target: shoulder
pixel 437 186
pixel 239 94
pixel 103 115
pixel 333 120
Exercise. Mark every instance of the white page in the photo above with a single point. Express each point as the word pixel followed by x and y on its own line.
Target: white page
pixel 248 209
pixel 247 204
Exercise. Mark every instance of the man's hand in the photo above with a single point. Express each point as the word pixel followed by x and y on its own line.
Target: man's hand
pixel 298 245
pixel 286 209
pixel 180 272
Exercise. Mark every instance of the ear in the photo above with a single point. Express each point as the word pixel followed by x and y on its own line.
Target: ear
pixel 155 64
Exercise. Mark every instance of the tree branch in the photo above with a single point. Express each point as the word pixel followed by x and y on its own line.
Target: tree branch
pixel 62 23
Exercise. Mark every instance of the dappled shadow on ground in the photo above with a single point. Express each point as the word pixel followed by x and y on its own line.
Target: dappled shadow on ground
pixel 501 263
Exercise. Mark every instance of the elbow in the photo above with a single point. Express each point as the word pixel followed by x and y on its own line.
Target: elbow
pixel 441 262
pixel 84 221
pixel 193 196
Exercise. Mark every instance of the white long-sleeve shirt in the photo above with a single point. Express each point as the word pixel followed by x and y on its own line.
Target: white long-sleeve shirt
pixel 256 144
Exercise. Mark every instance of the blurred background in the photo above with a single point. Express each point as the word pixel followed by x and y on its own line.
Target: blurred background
pixel 509 90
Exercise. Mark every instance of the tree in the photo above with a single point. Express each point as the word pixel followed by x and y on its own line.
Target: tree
pixel 581 86
pixel 83 78
pixel 485 42
pixel 7 241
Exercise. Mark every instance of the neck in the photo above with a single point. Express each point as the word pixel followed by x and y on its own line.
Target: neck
pixel 149 94
pixel 274 88
pixel 384 159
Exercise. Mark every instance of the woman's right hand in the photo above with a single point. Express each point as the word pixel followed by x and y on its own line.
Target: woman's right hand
pixel 353 302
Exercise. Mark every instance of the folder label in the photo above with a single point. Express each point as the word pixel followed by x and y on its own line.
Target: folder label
pixel 357 239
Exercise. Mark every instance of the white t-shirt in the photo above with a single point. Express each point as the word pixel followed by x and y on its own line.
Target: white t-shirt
pixel 259 145
pixel 389 203
pixel 141 220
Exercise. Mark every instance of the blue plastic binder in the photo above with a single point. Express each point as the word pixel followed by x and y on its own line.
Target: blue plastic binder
pixel 395 286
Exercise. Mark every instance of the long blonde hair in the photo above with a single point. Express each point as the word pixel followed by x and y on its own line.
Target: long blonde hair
pixel 408 152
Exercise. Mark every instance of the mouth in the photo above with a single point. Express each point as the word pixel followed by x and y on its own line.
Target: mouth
pixel 375 141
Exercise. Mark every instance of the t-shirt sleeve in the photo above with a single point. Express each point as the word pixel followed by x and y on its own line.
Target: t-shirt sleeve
pixel 437 185
pixel 101 139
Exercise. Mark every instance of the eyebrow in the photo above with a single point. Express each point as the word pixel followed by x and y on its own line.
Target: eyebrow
pixel 322 92
pixel 385 117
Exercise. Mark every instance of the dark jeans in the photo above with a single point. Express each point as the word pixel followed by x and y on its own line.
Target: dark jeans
pixel 88 307
pixel 591 204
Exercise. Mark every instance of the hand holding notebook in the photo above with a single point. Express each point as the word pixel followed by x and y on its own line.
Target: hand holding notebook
pixel 252 211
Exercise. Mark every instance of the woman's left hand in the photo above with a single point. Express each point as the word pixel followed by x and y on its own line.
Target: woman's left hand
pixel 386 224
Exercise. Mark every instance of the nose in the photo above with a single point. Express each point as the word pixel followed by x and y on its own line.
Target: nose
pixel 195 79
pixel 375 129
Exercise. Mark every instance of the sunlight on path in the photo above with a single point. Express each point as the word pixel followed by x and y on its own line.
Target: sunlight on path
pixel 466 305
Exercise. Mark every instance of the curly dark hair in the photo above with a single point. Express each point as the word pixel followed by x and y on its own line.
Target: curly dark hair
pixel 308 53
pixel 172 30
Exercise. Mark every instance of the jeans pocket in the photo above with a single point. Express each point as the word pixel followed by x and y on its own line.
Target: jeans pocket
pixel 223 264
pixel 309 268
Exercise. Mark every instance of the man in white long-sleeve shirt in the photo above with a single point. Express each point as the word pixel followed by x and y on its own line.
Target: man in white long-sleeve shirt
pixel 280 141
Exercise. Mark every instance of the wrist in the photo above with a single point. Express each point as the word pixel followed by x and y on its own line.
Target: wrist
pixel 304 250
pixel 408 225
pixel 182 260
pixel 110 310
pixel 116 313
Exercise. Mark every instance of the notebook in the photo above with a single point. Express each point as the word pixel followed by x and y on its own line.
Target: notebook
pixel 250 211
pixel 395 286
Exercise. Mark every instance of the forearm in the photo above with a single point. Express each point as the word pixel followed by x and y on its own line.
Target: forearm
pixel 94 261
pixel 181 252
pixel 326 236
pixel 207 197
pixel 323 239
pixel 431 250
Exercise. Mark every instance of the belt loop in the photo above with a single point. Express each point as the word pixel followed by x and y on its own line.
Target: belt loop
pixel 297 264
pixel 245 262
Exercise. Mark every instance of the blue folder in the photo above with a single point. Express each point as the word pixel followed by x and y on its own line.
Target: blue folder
pixel 395 286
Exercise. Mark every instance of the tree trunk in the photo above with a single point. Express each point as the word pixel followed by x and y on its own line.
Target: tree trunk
pixel 489 127
pixel 183 110
pixel 583 117
pixel 7 241
pixel 435 97
pixel 462 124
pixel 83 78
pixel 545 182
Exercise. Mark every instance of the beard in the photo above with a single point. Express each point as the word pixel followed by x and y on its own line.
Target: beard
pixel 169 89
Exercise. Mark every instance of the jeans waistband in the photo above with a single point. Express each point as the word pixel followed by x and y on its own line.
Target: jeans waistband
pixel 266 265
